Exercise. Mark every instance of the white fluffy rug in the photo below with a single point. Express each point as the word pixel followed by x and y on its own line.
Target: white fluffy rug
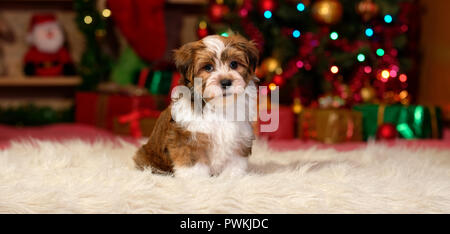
pixel 78 177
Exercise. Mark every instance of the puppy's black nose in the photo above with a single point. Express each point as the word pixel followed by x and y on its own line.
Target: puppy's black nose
pixel 225 83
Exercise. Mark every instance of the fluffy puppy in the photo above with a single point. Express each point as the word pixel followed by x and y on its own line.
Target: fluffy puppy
pixel 197 134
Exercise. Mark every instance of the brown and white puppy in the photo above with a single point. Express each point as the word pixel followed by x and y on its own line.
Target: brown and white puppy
pixel 196 134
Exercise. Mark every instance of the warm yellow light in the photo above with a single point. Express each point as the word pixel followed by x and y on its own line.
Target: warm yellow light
pixel 202 25
pixel 403 94
pixel 219 1
pixel 106 13
pixel 297 109
pixel 271 64
pixel 272 86
pixel 385 74
pixel 88 19
pixel 334 69
pixel 324 10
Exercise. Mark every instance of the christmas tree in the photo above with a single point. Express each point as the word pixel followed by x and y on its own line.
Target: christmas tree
pixel 328 53
pixel 96 61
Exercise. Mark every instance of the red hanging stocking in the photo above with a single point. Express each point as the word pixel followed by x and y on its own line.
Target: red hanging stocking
pixel 142 24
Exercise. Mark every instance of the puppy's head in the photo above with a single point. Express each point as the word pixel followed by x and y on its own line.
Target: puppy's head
pixel 225 65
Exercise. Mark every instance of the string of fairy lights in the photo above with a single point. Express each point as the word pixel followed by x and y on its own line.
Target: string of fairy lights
pixel 88 19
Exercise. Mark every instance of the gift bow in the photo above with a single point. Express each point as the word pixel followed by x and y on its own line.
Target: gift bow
pixel 137 114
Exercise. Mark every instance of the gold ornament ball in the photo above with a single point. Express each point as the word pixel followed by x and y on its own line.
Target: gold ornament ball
pixel 269 65
pixel 367 94
pixel 367 9
pixel 327 11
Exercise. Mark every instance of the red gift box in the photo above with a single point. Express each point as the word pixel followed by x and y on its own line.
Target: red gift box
pixel 286 125
pixel 100 109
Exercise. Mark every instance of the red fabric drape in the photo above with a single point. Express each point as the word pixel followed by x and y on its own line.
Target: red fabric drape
pixel 142 24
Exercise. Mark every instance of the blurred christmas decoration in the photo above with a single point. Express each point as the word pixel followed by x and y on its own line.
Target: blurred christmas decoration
pixel 368 94
pixel 127 109
pixel 141 23
pixel 286 120
pixel 47 55
pixel 367 9
pixel 134 119
pixel 217 11
pixel 32 115
pixel 327 11
pixel 6 35
pixel 96 61
pixel 102 109
pixel 202 30
pixel 386 131
pixel 269 65
pixel 267 5
pixel 127 67
pixel 330 125
pixel 409 122
pixel 297 107
pixel 137 124
pixel 353 51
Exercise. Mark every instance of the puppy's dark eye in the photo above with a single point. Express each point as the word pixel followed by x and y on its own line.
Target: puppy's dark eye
pixel 233 65
pixel 208 68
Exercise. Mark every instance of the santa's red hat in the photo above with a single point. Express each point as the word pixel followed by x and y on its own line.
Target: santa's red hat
pixel 40 19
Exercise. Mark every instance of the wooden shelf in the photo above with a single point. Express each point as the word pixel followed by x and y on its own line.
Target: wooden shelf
pixel 68 4
pixel 40 81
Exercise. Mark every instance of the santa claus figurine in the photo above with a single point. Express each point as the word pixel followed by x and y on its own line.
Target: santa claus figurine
pixel 47 55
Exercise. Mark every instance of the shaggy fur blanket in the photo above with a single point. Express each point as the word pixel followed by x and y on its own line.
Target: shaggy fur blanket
pixel 80 177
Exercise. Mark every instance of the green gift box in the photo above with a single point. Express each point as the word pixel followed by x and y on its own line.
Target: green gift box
pixel 412 121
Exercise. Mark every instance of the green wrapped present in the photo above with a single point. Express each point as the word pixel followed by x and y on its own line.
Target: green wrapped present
pixel 159 82
pixel 412 122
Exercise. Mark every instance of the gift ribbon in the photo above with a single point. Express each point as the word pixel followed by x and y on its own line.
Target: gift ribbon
pixel 434 122
pixel 402 125
pixel 419 114
pixel 380 117
pixel 133 119
pixel 156 80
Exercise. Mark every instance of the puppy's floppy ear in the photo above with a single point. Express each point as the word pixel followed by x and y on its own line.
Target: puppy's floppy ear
pixel 184 60
pixel 249 47
pixel 253 54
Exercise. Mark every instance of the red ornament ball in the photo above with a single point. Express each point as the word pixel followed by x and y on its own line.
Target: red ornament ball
pixel 267 5
pixel 217 12
pixel 278 80
pixel 387 131
pixel 202 32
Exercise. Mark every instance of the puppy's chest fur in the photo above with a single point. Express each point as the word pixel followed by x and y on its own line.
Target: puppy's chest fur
pixel 226 138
